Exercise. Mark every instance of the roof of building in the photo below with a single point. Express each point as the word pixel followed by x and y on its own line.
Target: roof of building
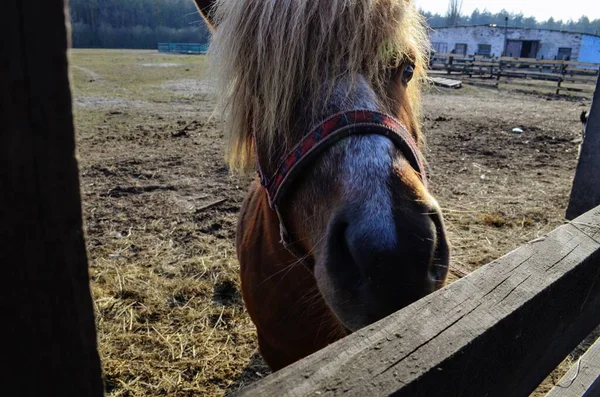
pixel 514 27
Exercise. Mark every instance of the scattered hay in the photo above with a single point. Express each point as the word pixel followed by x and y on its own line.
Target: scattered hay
pixel 495 220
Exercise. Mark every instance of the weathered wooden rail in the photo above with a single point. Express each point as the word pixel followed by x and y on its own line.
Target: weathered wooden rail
pixel 582 379
pixel 506 69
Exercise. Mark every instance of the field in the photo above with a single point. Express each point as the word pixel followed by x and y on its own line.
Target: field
pixel 160 208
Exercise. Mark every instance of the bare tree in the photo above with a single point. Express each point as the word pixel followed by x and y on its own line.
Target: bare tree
pixel 454 10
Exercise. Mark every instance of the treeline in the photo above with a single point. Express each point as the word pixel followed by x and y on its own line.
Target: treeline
pixel 144 23
pixel 135 23
pixel 582 25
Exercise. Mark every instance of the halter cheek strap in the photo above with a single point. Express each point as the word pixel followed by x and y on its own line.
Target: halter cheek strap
pixel 322 137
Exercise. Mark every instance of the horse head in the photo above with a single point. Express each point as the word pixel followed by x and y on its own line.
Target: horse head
pixel 358 214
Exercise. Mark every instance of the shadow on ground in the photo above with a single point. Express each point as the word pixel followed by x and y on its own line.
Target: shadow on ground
pixel 254 371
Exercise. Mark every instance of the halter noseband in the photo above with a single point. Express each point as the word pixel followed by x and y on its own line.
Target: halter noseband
pixel 325 135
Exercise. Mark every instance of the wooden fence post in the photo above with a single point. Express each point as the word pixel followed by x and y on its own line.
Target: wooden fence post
pixel 500 67
pixel 449 64
pixel 585 193
pixel 48 335
pixel 561 78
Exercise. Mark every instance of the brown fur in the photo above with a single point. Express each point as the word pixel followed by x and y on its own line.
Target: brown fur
pixel 281 310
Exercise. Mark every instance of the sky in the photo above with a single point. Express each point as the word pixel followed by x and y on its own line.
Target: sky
pixel 540 9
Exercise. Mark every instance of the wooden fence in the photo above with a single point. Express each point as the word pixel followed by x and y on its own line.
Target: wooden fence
pixel 183 48
pixel 506 69
pixel 497 332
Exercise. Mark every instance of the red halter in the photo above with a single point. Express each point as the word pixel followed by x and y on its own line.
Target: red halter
pixel 323 136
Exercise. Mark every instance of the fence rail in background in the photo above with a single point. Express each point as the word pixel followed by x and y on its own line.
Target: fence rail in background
pixel 508 68
pixel 183 48
pixel 583 379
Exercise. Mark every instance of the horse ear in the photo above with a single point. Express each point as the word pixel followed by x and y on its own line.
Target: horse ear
pixel 204 7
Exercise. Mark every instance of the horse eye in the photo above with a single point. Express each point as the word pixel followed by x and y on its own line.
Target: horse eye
pixel 407 73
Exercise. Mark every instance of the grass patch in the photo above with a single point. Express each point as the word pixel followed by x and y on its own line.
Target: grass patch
pixel 493 219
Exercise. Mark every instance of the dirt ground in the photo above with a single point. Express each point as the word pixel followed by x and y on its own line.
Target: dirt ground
pixel 160 209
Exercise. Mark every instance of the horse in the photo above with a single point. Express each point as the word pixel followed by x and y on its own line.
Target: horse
pixel 339 229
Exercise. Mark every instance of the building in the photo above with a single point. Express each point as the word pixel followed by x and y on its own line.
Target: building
pixel 520 42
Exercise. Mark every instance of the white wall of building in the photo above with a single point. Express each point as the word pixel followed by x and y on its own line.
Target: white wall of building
pixel 550 41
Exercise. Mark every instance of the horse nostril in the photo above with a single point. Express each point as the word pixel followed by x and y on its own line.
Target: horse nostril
pixel 340 262
pixel 405 249
pixel 369 251
pixel 381 264
pixel 340 259
pixel 364 247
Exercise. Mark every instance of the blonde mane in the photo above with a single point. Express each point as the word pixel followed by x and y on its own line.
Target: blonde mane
pixel 267 55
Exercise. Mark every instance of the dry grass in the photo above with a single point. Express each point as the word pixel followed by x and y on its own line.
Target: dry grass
pixel 164 276
pixel 163 270
pixel 495 220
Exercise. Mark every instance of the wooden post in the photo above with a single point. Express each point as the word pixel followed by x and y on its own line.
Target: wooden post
pixel 469 66
pixel 500 67
pixel 450 61
pixel 585 193
pixel 561 78
pixel 47 333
